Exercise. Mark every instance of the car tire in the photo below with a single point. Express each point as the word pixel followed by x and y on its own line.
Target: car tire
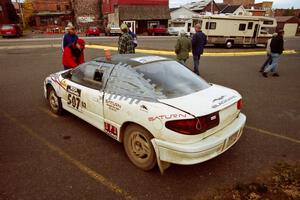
pixel 138 147
pixel 54 102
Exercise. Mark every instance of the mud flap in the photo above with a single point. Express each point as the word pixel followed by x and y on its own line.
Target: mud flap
pixel 162 165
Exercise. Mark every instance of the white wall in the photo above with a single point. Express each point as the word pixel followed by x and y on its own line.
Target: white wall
pixel 182 13
pixel 290 29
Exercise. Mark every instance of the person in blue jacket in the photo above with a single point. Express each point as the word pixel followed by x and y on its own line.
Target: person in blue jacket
pixel 198 42
pixel 69 37
pixel 133 35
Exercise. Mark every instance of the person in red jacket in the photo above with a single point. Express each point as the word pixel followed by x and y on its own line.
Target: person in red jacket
pixel 73 54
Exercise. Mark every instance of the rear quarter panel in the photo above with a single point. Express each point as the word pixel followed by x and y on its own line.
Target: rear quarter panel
pixel 150 115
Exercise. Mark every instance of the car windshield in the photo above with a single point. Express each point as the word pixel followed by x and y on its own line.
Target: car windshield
pixel 171 78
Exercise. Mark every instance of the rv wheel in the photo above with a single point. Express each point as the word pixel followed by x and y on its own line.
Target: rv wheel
pixel 229 44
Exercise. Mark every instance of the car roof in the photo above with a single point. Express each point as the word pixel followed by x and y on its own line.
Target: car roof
pixel 132 59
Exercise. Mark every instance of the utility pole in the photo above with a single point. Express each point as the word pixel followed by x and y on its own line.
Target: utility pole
pixel 21 11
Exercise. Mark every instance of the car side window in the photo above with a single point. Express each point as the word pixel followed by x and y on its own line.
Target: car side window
pixel 89 75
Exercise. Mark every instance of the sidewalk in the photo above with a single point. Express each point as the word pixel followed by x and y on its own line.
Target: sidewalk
pixel 109 42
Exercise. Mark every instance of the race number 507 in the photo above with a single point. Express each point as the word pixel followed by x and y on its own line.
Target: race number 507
pixel 73 101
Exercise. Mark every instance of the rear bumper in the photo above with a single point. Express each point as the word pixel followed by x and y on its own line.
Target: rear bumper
pixel 203 150
pixel 9 35
pixel 173 33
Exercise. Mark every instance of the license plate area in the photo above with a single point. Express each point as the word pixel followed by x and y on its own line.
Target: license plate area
pixel 232 139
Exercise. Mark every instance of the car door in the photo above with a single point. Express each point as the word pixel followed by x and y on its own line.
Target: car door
pixel 85 93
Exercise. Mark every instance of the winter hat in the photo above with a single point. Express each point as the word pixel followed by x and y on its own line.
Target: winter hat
pixel 124 27
pixel 182 32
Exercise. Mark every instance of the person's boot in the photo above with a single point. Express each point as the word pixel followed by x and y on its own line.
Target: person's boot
pixel 265 74
pixel 276 74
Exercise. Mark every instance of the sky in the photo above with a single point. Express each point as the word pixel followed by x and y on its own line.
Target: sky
pixel 276 3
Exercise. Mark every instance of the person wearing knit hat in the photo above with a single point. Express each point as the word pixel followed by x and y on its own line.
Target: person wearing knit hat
pixel 269 57
pixel 73 54
pixel 125 43
pixel 277 47
pixel 183 47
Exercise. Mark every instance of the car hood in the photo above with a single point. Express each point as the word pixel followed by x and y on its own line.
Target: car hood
pixel 206 101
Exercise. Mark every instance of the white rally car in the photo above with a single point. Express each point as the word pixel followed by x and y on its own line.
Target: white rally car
pixel 161 111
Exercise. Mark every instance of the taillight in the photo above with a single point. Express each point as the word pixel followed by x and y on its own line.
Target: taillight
pixel 194 126
pixel 239 104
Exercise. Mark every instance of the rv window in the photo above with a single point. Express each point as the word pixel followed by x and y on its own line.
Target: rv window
pixel 250 25
pixel 210 25
pixel 178 24
pixel 196 21
pixel 267 30
pixel 268 22
pixel 242 27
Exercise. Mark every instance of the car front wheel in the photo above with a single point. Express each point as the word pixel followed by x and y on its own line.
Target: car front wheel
pixel 138 147
pixel 54 102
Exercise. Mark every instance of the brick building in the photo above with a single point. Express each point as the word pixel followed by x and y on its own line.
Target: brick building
pixel 8 13
pixel 51 15
pixel 87 13
pixel 141 14
pixel 261 9
pixel 287 12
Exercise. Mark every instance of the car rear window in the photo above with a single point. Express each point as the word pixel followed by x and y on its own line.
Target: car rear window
pixel 172 79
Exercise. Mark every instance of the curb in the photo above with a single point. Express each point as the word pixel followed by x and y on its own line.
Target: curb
pixel 171 53
pixel 146 51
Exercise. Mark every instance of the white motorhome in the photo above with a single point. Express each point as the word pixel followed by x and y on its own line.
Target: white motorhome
pixel 235 30
pixel 177 25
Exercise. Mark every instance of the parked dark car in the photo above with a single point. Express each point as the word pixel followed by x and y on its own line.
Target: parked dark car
pixel 93 30
pixel 11 30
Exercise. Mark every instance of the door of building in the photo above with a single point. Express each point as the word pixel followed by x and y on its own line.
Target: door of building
pixel 132 25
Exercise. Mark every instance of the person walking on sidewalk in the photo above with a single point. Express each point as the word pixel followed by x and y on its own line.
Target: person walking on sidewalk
pixel 125 42
pixel 198 42
pixel 73 54
pixel 183 47
pixel 269 58
pixel 276 45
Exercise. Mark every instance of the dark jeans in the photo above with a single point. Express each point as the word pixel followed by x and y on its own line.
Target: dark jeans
pixel 196 60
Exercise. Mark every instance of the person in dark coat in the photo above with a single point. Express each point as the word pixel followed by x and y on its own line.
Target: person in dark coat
pixel 269 57
pixel 276 45
pixel 198 42
pixel 73 54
